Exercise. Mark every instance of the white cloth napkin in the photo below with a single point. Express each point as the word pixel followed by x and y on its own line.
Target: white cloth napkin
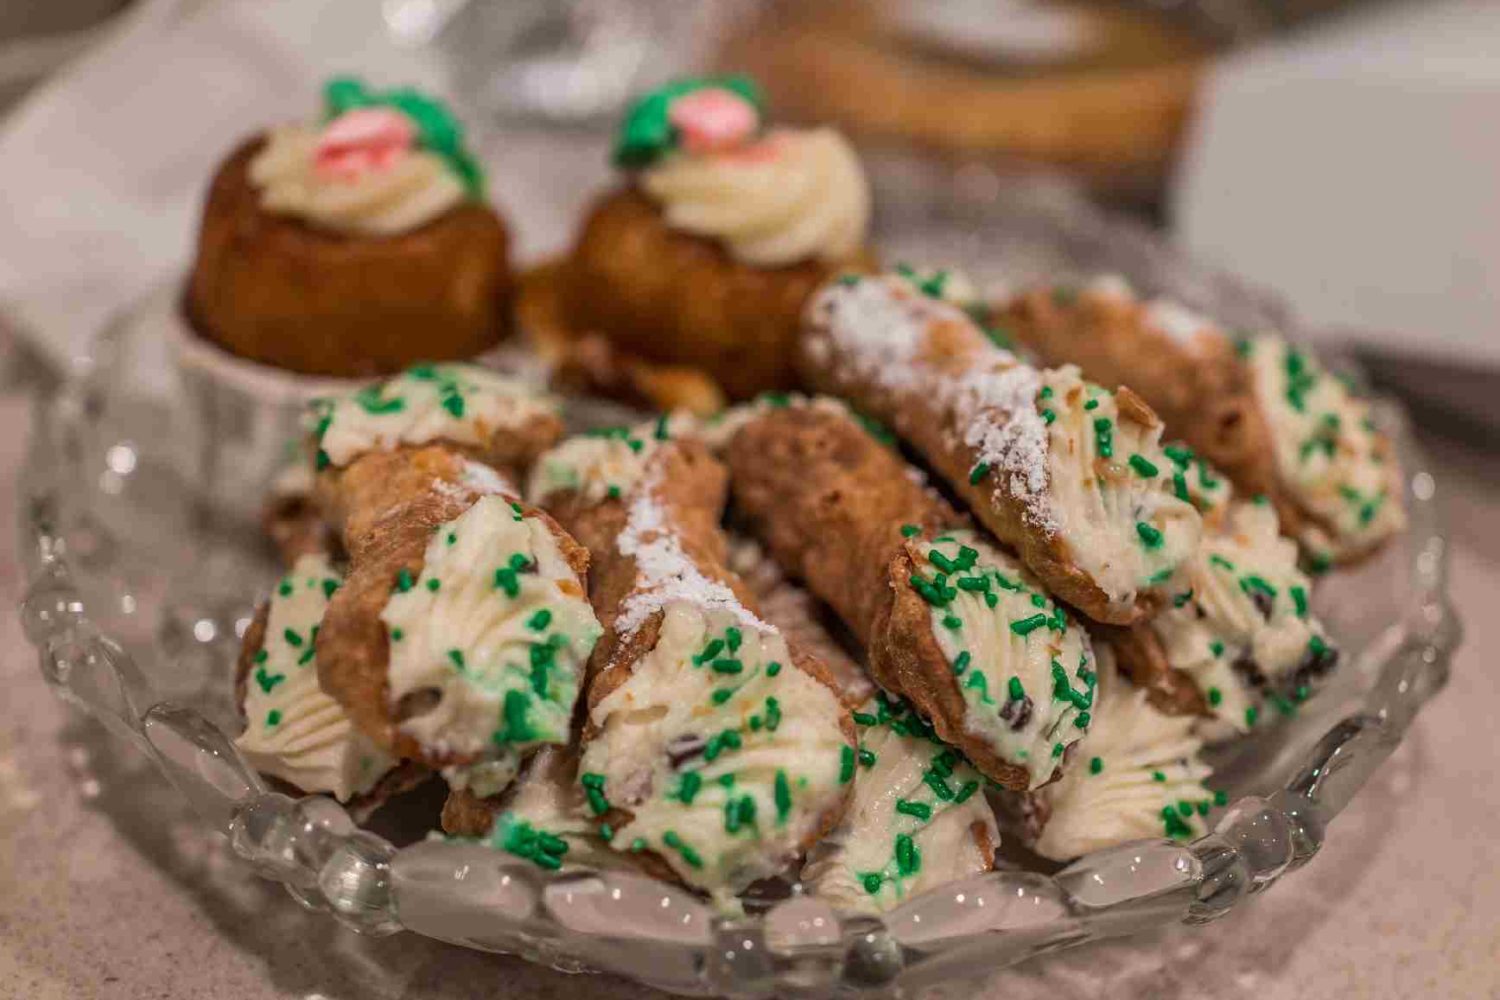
pixel 1356 170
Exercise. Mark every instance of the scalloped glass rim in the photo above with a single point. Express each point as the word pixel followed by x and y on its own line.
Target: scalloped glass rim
pixel 662 935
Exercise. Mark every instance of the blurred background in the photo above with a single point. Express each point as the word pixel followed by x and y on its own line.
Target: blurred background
pixel 1338 152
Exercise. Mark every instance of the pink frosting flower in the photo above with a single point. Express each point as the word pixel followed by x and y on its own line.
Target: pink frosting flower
pixel 712 119
pixel 363 140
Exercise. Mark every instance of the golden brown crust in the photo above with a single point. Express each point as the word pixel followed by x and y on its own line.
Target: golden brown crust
pixel 353 649
pixel 588 363
pixel 250 644
pixel 1143 661
pixel 952 346
pixel 1205 396
pixel 679 299
pixel 275 290
pixel 829 501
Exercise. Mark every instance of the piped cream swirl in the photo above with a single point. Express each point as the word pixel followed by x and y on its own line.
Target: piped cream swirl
pixel 794 196
pixel 412 191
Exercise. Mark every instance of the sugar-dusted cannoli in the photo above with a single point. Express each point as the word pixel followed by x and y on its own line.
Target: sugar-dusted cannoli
pixel 919 817
pixel 712 745
pixel 948 620
pixel 293 730
pixel 1261 409
pixel 460 635
pixel 1068 473
pixel 1242 629
pixel 1139 776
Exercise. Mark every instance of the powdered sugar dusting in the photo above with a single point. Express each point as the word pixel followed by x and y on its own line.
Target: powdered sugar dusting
pixel 1176 320
pixel 664 573
pixel 997 414
pixel 487 480
pixel 876 328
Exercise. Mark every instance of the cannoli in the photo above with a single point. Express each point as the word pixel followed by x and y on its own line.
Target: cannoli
pixel 293 731
pixel 461 633
pixel 712 745
pixel 949 621
pixel 1241 629
pixel 1256 407
pixel 918 819
pixel 1139 775
pixel 1069 474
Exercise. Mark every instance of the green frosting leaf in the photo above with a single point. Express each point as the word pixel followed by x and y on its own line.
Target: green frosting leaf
pixel 437 129
pixel 646 135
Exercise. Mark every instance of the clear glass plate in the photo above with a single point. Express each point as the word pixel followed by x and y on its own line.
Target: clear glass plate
pixel 140 583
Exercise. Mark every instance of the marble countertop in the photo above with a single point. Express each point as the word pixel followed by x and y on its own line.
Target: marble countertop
pixel 1404 900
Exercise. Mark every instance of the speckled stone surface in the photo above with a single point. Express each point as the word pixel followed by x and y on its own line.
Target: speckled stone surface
pixel 98 899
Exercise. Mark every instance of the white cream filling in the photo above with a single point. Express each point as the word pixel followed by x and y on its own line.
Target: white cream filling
pixel 1246 601
pixel 796 195
pixel 918 818
pixel 1138 775
pixel 1111 489
pixel 498 627
pixel 596 466
pixel 1328 453
pixel 293 730
pixel 457 403
pixel 1025 670
pixel 414 189
pixel 547 819
pixel 726 755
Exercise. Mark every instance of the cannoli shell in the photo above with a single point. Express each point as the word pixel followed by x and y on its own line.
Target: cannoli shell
pixel 952 348
pixel 829 502
pixel 1203 393
pixel 353 649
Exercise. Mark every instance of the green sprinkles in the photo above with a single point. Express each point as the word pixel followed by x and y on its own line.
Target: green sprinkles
pixel 1143 467
pixel 1015 689
pixel 1104 437
pixel 846 764
pixel 783 794
pixel 910 531
pixel 1028 625
pixel 961 663
pixel 1151 536
pixel 273 717
pixel 675 841
pixel 1096 765
pixel 919 810
pixel 978 472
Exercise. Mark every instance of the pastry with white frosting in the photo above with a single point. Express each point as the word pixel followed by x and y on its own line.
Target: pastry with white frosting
pixel 1069 474
pixel 353 243
pixel 713 747
pixel 1264 411
pixel 724 227
pixel 461 633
